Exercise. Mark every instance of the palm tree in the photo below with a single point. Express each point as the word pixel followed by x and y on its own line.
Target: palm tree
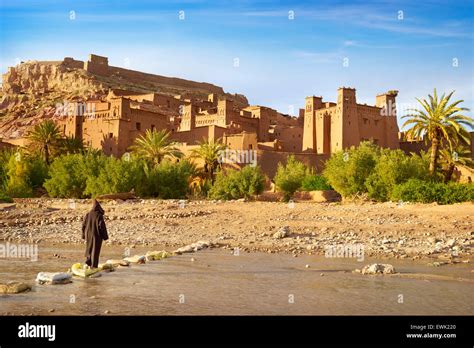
pixel 209 151
pixel 45 137
pixel 439 121
pixel 456 154
pixel 71 144
pixel 155 146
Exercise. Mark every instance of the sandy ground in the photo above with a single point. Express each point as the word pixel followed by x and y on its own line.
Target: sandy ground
pixel 390 230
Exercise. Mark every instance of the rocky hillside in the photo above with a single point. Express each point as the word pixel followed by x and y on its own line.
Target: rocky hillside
pixel 31 90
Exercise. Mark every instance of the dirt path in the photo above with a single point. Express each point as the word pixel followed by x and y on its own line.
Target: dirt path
pixel 444 233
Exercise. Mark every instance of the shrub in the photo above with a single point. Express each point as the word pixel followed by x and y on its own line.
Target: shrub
pixel 251 181
pixel 347 171
pixel 415 190
pixel 68 176
pixel 167 180
pixel 289 177
pixel 38 171
pixel 114 176
pixel 4 198
pixel 315 183
pixel 394 167
pixel 18 180
pixel 4 160
pixel 234 184
pixel 21 174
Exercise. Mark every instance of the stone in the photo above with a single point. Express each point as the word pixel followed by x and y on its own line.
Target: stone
pixel 53 278
pixel 378 268
pixel 14 288
pixel 283 232
pixel 450 243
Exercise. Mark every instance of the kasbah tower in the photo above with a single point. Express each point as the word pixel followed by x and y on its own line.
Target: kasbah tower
pixel 330 127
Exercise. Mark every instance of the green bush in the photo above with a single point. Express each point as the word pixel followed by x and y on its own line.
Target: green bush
pixel 348 170
pixel 4 160
pixel 21 174
pixel 18 183
pixel 38 171
pixel 251 181
pixel 415 190
pixel 289 177
pixel 167 180
pixel 4 198
pixel 315 183
pixel 114 176
pixel 235 184
pixel 68 176
pixel 394 167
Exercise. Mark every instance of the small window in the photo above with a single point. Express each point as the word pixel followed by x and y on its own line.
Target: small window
pixel 111 135
pixel 138 126
pixel 152 127
pixel 250 147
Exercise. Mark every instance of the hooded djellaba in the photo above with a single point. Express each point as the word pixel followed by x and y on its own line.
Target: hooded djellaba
pixel 94 232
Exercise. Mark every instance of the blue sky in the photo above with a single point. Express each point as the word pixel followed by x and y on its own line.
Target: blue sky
pixel 281 60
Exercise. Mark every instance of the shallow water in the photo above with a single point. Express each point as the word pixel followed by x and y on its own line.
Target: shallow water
pixel 219 283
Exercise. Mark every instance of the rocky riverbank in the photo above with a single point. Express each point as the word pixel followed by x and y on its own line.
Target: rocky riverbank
pixel 443 234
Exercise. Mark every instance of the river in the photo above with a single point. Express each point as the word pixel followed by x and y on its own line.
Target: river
pixel 220 283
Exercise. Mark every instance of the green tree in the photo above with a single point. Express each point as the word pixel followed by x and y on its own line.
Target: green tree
pixel 45 137
pixel 115 176
pixel 69 174
pixel 70 145
pixel 233 184
pixel 168 180
pixel 5 156
pixel 18 184
pixel 394 167
pixel 348 170
pixel 210 152
pixel 289 177
pixel 455 154
pixel 438 121
pixel 155 146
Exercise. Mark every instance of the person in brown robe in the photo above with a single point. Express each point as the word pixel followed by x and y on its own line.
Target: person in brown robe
pixel 94 232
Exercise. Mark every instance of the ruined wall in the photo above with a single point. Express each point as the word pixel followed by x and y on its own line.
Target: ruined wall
pixel 97 65
pixel 35 77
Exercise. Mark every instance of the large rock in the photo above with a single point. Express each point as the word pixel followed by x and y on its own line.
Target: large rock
pixel 14 288
pixel 118 263
pixel 194 247
pixel 53 278
pixel 378 268
pixel 156 255
pixel 136 259
pixel 283 232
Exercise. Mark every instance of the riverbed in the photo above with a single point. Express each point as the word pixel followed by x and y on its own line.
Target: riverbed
pixel 218 282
